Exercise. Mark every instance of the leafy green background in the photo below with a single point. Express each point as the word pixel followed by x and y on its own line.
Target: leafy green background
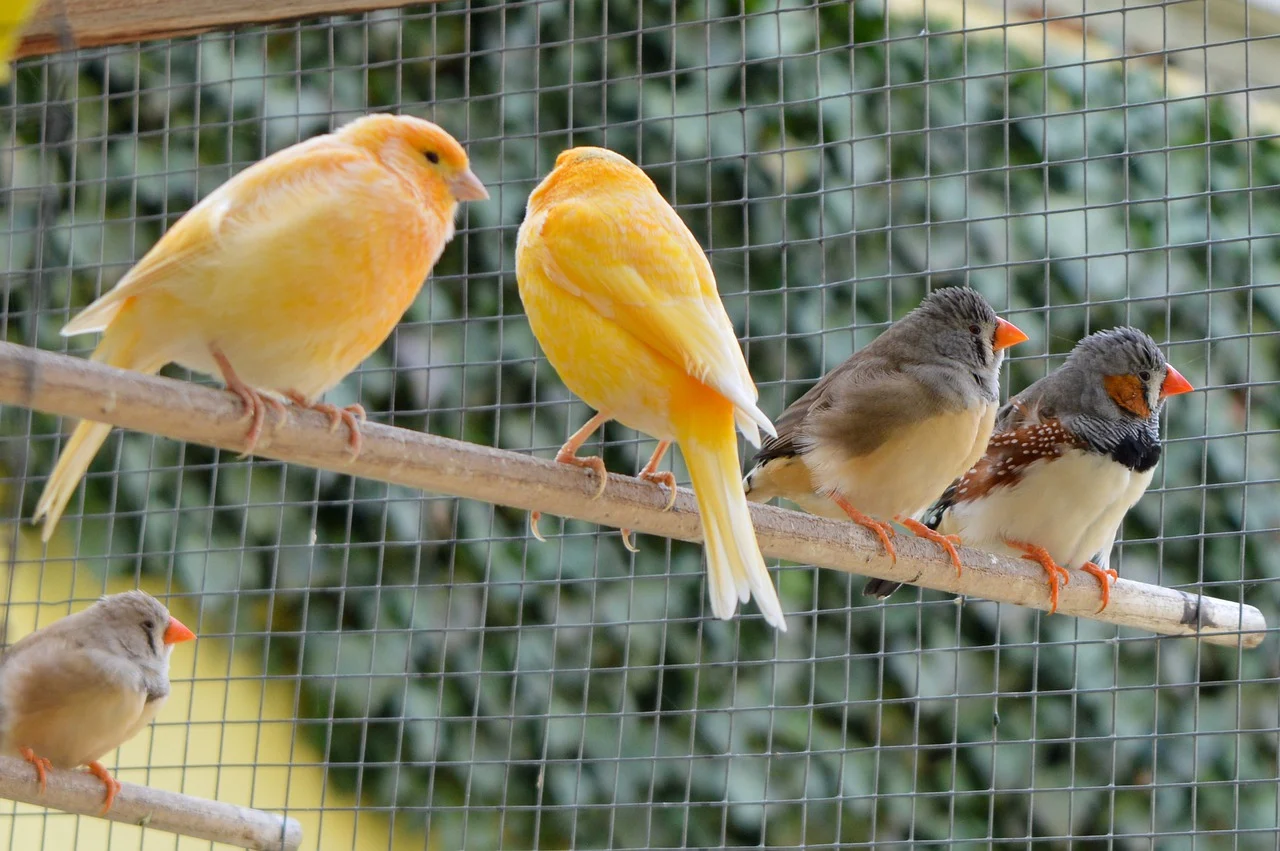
pixel 501 693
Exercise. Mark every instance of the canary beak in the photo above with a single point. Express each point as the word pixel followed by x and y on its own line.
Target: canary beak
pixel 467 187
pixel 1174 384
pixel 1007 334
pixel 176 632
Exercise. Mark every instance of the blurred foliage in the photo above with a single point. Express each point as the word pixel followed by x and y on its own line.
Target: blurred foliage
pixel 833 160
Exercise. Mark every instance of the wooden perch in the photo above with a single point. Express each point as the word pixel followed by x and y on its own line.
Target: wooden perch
pixel 95 23
pixel 156 809
pixel 181 410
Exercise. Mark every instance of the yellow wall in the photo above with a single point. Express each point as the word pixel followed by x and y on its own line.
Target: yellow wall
pixel 226 733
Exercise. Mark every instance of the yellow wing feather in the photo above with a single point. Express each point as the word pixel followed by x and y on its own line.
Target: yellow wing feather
pixel 262 194
pixel 646 271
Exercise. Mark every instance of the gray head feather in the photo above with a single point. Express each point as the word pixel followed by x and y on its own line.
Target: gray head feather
pixel 948 341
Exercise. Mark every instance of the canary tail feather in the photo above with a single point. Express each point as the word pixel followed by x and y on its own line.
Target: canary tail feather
pixel 736 570
pixel 85 441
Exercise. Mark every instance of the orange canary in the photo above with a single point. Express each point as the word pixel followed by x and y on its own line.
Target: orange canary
pixel 285 278
pixel 625 305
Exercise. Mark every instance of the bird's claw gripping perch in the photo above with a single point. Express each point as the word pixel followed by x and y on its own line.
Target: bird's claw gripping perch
pixel 1058 575
pixel 884 531
pixel 566 456
pixel 664 478
pixel 1106 578
pixel 352 415
pixel 947 542
pixel 113 785
pixel 42 766
pixel 255 402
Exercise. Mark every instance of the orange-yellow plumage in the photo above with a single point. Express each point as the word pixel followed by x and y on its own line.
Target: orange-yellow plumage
pixel 624 303
pixel 290 274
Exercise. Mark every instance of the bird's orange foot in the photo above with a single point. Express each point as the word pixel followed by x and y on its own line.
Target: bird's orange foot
pixel 591 462
pixel 566 456
pixel 947 542
pixel 884 531
pixel 352 415
pixel 1105 578
pixel 664 478
pixel 112 784
pixel 1058 575
pixel 42 766
pixel 255 402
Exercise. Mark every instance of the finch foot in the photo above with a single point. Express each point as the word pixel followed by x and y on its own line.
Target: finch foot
pixel 947 542
pixel 352 415
pixel 255 402
pixel 1105 578
pixel 42 766
pixel 883 530
pixel 112 784
pixel 534 517
pixel 1058 575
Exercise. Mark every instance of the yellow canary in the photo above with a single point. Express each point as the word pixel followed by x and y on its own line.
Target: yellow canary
pixel 14 17
pixel 284 278
pixel 625 305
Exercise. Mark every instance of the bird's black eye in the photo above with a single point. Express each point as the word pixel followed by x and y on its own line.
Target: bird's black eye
pixel 149 625
pixel 1144 376
pixel 433 157
pixel 975 329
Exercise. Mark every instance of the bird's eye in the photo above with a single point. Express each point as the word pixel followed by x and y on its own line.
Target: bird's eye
pixel 148 625
pixel 1144 376
pixel 975 329
pixel 433 157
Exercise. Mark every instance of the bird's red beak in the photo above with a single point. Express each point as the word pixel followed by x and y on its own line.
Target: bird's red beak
pixel 1007 334
pixel 1174 384
pixel 177 632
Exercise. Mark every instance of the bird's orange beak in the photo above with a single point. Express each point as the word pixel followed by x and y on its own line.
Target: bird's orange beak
pixel 177 632
pixel 467 187
pixel 1174 384
pixel 1007 334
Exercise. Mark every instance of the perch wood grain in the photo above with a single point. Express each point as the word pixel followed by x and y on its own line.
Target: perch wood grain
pixel 180 410
pixel 95 23
pixel 157 809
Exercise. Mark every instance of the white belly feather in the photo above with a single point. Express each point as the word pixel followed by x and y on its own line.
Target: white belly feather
pixel 1072 506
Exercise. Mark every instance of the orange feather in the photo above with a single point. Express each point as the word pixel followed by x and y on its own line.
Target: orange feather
pixel 295 271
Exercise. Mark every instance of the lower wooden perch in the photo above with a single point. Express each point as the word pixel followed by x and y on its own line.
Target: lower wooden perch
pixel 156 809
pixel 184 411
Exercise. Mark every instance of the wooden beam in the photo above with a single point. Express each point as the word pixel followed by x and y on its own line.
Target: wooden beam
pixel 58 384
pixel 94 23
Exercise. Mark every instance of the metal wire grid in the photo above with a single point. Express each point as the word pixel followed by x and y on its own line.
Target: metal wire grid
pixel 467 688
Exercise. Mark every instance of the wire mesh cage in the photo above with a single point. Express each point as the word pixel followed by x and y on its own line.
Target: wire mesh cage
pixel 398 669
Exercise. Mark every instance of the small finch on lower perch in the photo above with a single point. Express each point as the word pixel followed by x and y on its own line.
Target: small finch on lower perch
pixel 79 688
